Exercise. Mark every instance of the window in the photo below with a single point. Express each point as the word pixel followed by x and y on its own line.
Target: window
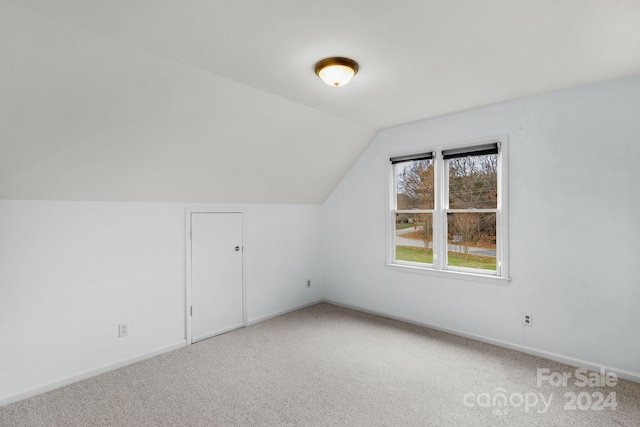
pixel 448 210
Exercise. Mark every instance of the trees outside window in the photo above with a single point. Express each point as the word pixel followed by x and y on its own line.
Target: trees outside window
pixel 448 209
pixel 473 186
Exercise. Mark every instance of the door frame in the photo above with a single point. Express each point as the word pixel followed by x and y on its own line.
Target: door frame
pixel 189 210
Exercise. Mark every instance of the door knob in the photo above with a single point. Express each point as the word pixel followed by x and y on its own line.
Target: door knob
pixel 237 248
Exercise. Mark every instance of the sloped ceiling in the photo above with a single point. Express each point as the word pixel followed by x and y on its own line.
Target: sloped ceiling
pixel 216 101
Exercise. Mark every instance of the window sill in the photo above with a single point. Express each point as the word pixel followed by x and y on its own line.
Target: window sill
pixel 481 278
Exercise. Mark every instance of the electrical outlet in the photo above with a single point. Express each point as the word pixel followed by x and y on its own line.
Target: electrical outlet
pixel 308 283
pixel 527 320
pixel 123 330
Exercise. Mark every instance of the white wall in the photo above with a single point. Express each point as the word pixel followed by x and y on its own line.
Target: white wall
pixel 70 272
pixel 574 228
pixel 282 251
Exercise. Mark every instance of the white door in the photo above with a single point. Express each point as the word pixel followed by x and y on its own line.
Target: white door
pixel 216 273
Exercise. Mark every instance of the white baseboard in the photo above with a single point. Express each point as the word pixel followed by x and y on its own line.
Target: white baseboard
pixel 567 360
pixel 6 400
pixel 88 374
pixel 280 313
pixel 571 361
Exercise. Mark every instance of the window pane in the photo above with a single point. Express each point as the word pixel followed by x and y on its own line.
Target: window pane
pixel 414 237
pixel 472 240
pixel 473 182
pixel 415 186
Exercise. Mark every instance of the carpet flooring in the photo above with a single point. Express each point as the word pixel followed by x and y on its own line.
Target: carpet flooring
pixel 330 366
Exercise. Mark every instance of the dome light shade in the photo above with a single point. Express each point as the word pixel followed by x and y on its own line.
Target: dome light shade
pixel 336 71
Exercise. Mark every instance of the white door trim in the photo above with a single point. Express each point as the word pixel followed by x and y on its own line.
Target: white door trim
pixel 190 209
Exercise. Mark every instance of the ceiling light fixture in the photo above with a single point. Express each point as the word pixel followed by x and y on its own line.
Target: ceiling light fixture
pixel 336 71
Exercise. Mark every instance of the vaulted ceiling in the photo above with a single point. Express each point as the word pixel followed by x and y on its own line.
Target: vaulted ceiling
pixel 216 101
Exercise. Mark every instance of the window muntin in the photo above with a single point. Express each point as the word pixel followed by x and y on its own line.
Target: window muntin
pixel 447 210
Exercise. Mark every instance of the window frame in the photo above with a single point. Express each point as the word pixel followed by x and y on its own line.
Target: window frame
pixel 440 211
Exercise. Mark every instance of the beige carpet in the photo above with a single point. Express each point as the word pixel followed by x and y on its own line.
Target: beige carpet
pixel 330 366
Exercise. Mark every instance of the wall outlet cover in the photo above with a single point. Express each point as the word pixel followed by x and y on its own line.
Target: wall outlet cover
pixel 123 330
